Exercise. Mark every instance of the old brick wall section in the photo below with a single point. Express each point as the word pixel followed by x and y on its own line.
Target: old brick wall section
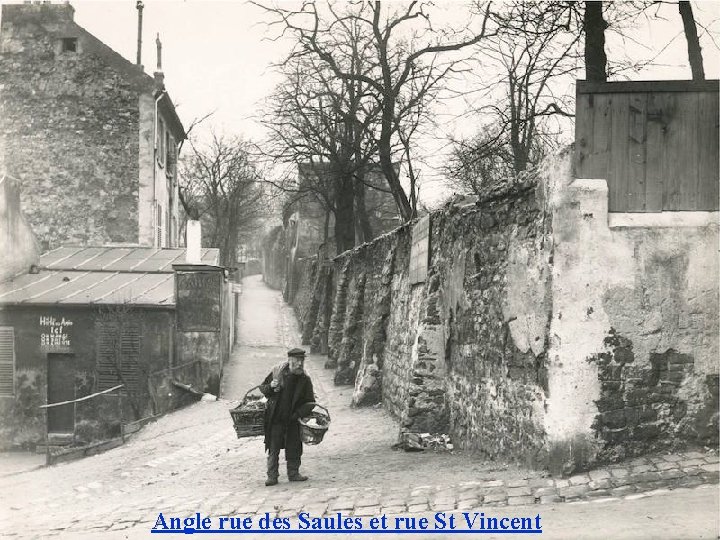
pixel 634 356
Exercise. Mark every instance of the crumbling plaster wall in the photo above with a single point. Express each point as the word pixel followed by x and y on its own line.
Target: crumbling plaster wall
pixel 492 263
pixel 634 343
pixel 463 351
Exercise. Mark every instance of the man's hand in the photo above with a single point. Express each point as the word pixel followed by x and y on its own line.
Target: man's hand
pixel 275 385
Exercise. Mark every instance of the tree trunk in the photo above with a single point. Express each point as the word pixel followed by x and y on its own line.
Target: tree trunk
pixel 693 43
pixel 344 216
pixel 595 58
pixel 386 164
pixel 363 228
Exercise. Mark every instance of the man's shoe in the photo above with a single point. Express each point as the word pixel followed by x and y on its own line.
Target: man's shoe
pixel 297 478
pixel 271 481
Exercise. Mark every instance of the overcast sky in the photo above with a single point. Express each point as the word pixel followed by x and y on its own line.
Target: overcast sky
pixel 216 55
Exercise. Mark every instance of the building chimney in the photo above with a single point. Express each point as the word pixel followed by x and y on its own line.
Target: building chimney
pixel 159 75
pixel 139 6
pixel 158 44
pixel 193 242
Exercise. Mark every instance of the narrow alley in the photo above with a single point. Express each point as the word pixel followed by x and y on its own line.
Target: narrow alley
pixel 190 461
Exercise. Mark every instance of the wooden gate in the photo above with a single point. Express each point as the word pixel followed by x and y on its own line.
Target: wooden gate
pixel 655 142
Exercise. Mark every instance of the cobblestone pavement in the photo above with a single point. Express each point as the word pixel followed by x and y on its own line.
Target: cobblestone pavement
pixel 190 461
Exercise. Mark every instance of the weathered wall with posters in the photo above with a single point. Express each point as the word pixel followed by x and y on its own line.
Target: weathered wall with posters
pixel 23 424
pixel 545 330
pixel 205 313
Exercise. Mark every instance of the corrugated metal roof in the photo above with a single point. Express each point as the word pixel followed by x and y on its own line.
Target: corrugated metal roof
pixel 101 275
pixel 79 288
pixel 121 259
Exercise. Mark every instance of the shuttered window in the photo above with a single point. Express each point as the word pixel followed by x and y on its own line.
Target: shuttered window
pixel 7 361
pixel 118 355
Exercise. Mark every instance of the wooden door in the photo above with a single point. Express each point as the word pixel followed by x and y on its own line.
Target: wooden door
pixel 61 387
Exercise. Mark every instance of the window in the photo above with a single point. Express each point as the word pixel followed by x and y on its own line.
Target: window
pixel 69 44
pixel 161 142
pixel 167 227
pixel 171 156
pixel 159 225
pixel 7 361
pixel 118 355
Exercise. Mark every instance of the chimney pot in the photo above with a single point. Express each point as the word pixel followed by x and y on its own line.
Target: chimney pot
pixel 139 6
pixel 158 44
pixel 193 240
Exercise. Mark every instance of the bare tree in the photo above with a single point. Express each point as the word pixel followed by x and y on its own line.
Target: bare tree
pixel 322 125
pixel 409 69
pixel 519 95
pixel 479 162
pixel 222 187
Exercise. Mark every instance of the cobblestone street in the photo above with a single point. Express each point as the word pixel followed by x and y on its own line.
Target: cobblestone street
pixel 190 461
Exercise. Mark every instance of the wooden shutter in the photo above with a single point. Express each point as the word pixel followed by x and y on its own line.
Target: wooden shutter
pixel 118 351
pixel 7 361
pixel 107 350
pixel 130 356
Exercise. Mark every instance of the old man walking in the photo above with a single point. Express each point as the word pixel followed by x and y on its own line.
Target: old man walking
pixel 290 395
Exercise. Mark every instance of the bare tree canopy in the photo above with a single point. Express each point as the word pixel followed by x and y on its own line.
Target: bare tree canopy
pixel 409 61
pixel 222 187
pixel 323 125
pixel 535 52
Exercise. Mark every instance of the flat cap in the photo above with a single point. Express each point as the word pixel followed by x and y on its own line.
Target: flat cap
pixel 296 352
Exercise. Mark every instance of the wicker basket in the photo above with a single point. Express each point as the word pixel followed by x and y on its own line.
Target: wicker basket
pixel 312 432
pixel 248 417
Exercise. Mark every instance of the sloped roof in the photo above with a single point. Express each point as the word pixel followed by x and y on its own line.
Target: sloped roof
pixel 120 259
pixel 101 276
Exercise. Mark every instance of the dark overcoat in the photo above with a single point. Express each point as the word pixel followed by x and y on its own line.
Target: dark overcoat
pixel 302 395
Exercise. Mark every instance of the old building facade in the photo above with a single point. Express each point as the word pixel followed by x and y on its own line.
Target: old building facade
pixel 93 339
pixel 89 137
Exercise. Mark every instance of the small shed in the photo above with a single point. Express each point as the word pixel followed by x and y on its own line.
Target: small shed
pixel 94 330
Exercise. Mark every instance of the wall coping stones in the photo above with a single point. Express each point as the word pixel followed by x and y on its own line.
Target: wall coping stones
pixel 618 220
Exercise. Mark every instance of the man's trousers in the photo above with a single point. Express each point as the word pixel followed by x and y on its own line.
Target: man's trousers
pixel 287 437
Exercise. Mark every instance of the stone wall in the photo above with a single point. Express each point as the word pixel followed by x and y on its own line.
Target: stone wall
pixel 18 249
pixel 463 352
pixel 546 330
pixel 70 125
pixel 274 259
